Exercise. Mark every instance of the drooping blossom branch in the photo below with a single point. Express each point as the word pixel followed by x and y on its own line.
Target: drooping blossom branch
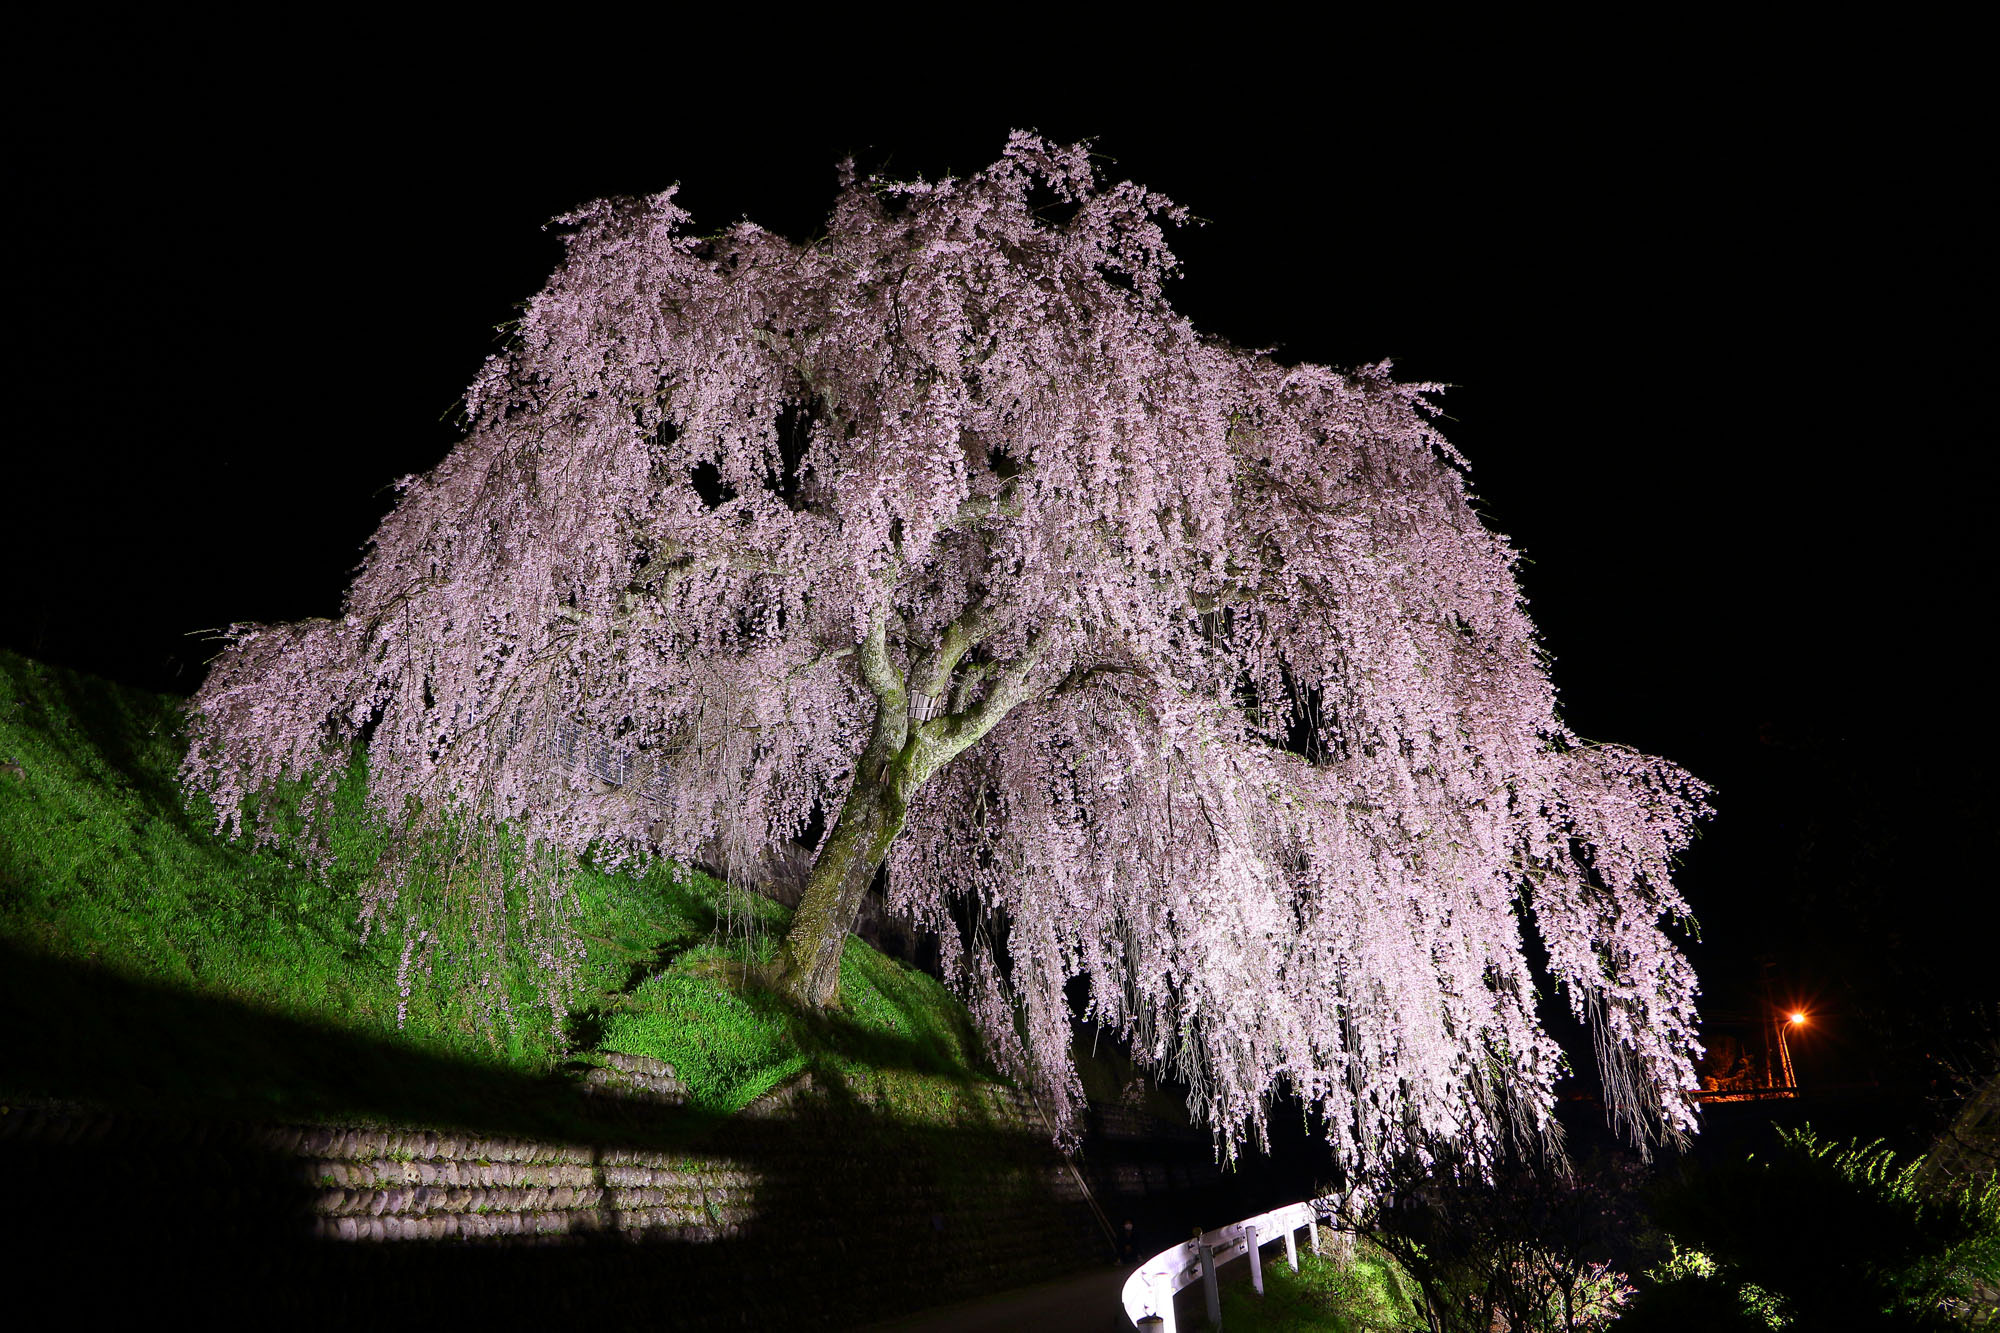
pixel 1189 673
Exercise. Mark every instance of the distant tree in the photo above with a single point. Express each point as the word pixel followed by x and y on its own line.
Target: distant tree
pixel 1192 674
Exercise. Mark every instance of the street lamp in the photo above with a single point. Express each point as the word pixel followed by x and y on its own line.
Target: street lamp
pixel 1795 1019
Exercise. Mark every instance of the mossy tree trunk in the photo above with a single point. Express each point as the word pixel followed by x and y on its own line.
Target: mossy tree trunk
pixel 922 722
pixel 809 959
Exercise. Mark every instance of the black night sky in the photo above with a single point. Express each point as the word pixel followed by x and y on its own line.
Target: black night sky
pixel 1713 351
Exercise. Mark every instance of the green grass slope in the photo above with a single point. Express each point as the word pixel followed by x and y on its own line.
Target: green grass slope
pixel 106 870
pixel 1366 1293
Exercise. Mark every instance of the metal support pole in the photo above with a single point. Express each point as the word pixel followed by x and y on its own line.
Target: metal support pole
pixel 1208 1287
pixel 1292 1248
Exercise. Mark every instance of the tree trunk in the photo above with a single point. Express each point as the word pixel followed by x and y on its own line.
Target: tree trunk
pixel 809 958
pixel 907 747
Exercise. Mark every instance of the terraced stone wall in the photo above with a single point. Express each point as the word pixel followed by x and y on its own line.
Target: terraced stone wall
pixel 802 1212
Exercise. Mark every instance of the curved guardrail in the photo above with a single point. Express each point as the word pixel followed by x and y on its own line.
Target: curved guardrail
pixel 1149 1292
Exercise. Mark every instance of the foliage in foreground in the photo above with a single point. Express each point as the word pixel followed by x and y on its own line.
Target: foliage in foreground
pixel 1528 1242
pixel 1813 1235
pixel 102 864
pixel 1820 1234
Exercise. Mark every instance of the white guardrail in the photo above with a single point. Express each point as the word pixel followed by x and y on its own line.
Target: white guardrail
pixel 1149 1292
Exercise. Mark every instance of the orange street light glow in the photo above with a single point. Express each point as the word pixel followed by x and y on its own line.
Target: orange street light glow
pixel 1798 1018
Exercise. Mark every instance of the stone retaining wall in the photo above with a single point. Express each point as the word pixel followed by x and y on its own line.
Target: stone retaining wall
pixel 785 1215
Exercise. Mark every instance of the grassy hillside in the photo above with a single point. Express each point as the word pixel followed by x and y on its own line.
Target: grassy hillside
pixel 107 871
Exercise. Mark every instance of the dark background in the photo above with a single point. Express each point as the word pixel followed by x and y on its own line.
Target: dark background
pixel 1714 331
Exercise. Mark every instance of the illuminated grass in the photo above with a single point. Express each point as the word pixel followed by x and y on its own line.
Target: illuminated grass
pixel 900 1039
pixel 103 864
pixel 728 1043
pixel 1366 1294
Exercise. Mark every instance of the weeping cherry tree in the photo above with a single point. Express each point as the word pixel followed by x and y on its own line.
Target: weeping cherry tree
pixel 943 543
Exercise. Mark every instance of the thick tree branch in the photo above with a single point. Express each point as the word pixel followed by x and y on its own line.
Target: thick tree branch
pixel 830 655
pixel 673 562
pixel 892 716
pixel 967 681
pixel 878 669
pixel 931 671
pixel 1079 679
pixel 1231 594
pixel 947 737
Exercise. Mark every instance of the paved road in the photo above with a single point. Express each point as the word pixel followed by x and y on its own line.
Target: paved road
pixel 1083 1303
pixel 1086 1303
